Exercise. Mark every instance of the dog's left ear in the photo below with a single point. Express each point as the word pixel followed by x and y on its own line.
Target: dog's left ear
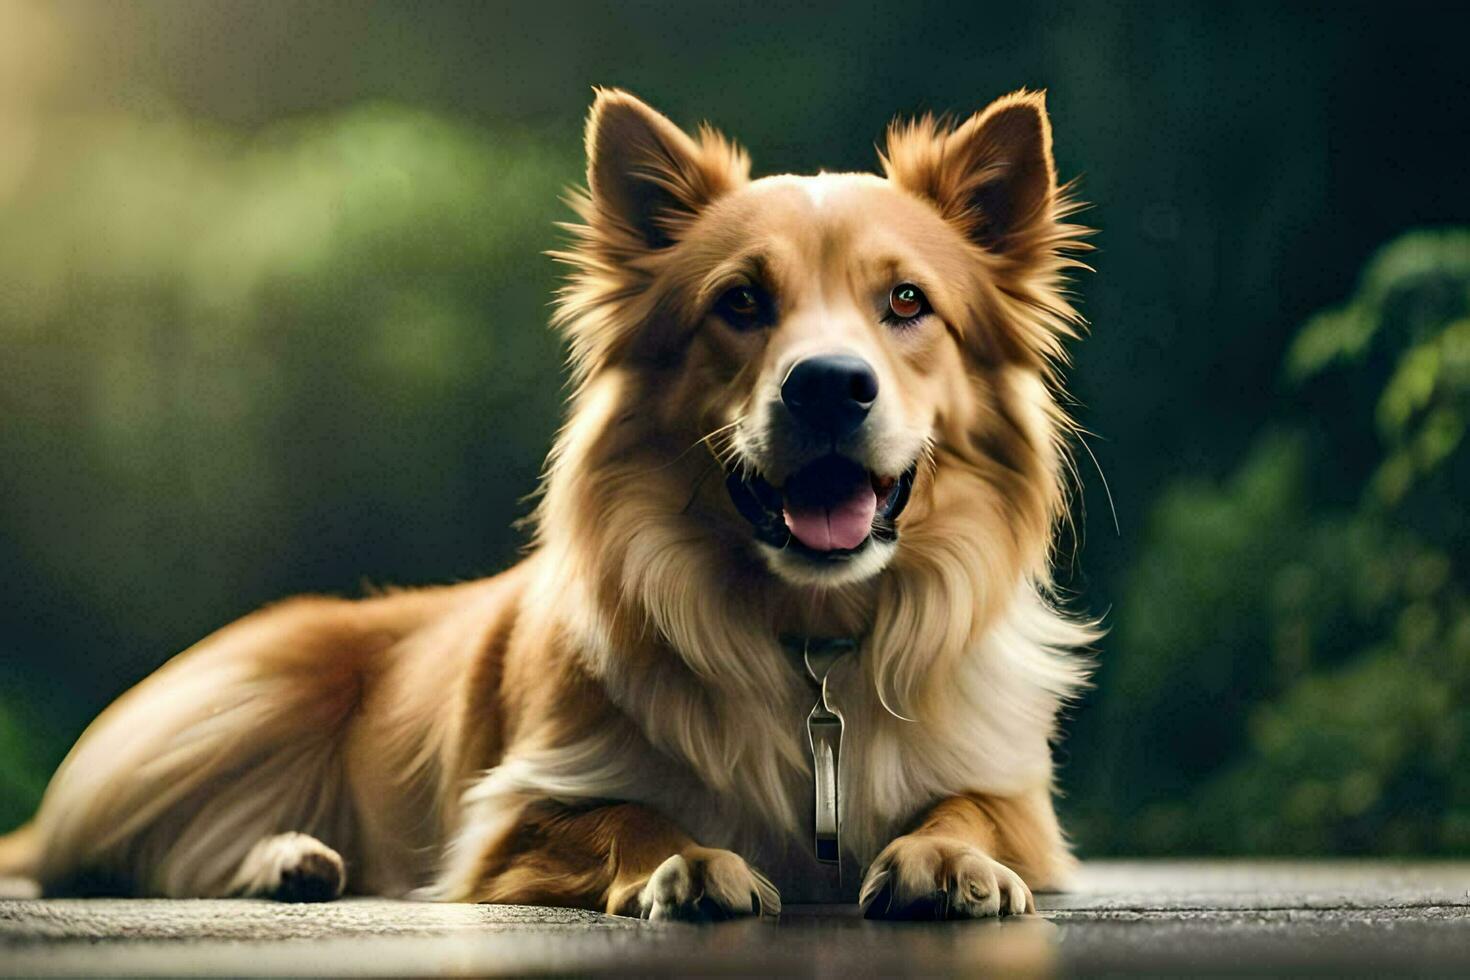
pixel 647 175
pixel 992 175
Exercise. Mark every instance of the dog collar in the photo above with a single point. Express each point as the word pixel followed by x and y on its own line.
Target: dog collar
pixel 824 737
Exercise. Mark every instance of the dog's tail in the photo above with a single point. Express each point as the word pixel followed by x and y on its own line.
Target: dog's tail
pixel 20 852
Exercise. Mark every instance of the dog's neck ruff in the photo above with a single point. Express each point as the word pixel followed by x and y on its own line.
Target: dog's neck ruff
pixel 818 656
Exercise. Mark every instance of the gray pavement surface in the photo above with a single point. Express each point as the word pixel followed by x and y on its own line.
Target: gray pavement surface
pixel 1173 917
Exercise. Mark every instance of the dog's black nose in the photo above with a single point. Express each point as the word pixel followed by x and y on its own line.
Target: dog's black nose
pixel 831 393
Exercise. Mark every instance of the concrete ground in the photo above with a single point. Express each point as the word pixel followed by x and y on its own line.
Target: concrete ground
pixel 1164 917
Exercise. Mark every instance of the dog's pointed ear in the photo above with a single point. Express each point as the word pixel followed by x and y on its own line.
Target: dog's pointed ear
pixel 992 174
pixel 647 175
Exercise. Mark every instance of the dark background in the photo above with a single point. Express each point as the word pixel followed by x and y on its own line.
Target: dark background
pixel 272 319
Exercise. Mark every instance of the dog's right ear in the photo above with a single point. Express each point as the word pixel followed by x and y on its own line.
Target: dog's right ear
pixel 647 176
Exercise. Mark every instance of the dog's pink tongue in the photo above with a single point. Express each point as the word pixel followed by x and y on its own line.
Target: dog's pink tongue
pixel 841 526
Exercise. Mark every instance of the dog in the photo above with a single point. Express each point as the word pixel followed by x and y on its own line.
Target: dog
pixel 786 627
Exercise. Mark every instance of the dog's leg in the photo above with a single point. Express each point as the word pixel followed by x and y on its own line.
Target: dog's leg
pixel 291 868
pixel 624 859
pixel 970 857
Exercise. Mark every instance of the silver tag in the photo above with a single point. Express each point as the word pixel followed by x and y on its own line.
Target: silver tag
pixel 824 726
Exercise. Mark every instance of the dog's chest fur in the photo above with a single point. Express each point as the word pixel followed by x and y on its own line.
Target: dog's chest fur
pixel 737 773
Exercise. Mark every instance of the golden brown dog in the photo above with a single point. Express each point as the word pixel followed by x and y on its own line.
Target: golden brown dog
pixel 806 409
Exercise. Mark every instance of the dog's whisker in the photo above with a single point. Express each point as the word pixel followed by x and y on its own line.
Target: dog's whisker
pixel 698 483
pixel 704 440
pixel 1101 476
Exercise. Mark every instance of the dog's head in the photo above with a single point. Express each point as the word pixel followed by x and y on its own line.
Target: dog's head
pixel 867 358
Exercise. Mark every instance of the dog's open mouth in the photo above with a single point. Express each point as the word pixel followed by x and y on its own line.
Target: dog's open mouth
pixel 828 509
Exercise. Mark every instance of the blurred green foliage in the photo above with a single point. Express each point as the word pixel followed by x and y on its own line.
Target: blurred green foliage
pixel 1308 618
pixel 226 359
pixel 24 768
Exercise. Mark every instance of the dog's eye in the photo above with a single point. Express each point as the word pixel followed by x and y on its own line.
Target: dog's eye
pixel 742 307
pixel 907 302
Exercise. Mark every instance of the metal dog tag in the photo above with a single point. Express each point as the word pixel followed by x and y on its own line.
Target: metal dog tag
pixel 824 727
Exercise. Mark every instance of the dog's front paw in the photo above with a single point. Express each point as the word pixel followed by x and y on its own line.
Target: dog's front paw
pixel 703 884
pixel 291 868
pixel 922 877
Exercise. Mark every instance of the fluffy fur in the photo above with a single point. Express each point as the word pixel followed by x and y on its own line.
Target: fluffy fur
pixel 603 723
